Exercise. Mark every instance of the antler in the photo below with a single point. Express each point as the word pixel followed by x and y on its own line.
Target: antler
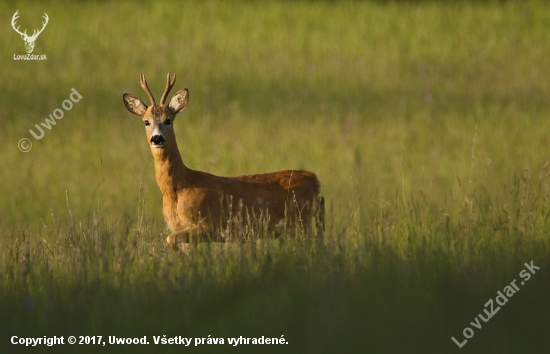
pixel 146 89
pixel 43 25
pixel 169 86
pixel 13 19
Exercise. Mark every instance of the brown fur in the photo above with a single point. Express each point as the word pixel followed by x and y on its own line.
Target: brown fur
pixel 195 201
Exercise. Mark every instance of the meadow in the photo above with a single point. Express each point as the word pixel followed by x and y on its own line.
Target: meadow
pixel 426 122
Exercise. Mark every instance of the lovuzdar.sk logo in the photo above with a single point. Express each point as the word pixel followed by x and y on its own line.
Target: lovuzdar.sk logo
pixel 29 40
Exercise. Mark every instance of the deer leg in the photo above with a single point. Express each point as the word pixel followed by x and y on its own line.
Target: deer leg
pixel 181 240
pixel 186 240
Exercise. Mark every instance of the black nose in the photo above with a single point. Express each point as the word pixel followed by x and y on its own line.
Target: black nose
pixel 157 140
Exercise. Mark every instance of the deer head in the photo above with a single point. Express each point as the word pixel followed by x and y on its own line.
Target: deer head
pixel 158 118
pixel 29 41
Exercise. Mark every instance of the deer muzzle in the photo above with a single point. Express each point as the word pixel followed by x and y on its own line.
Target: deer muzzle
pixel 157 140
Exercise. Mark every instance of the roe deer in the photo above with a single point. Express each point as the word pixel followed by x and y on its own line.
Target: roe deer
pixel 195 203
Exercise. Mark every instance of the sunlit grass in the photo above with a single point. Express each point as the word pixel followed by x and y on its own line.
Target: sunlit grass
pixel 427 124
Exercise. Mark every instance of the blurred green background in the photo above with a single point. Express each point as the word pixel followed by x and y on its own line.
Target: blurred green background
pixel 426 122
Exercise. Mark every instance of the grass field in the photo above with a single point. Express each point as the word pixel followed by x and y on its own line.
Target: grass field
pixel 426 122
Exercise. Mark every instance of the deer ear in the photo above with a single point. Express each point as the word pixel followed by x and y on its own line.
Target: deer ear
pixel 179 101
pixel 134 105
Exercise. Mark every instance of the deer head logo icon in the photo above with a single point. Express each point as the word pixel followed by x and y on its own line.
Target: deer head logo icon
pixel 29 40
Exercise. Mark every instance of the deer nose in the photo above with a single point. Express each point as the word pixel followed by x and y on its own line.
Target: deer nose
pixel 157 140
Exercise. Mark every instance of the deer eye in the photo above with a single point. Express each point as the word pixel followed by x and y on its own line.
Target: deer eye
pixel 167 122
pixel 147 123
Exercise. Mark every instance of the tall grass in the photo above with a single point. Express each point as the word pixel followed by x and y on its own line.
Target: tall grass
pixel 426 123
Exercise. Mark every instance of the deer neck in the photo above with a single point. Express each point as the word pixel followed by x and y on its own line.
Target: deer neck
pixel 172 175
